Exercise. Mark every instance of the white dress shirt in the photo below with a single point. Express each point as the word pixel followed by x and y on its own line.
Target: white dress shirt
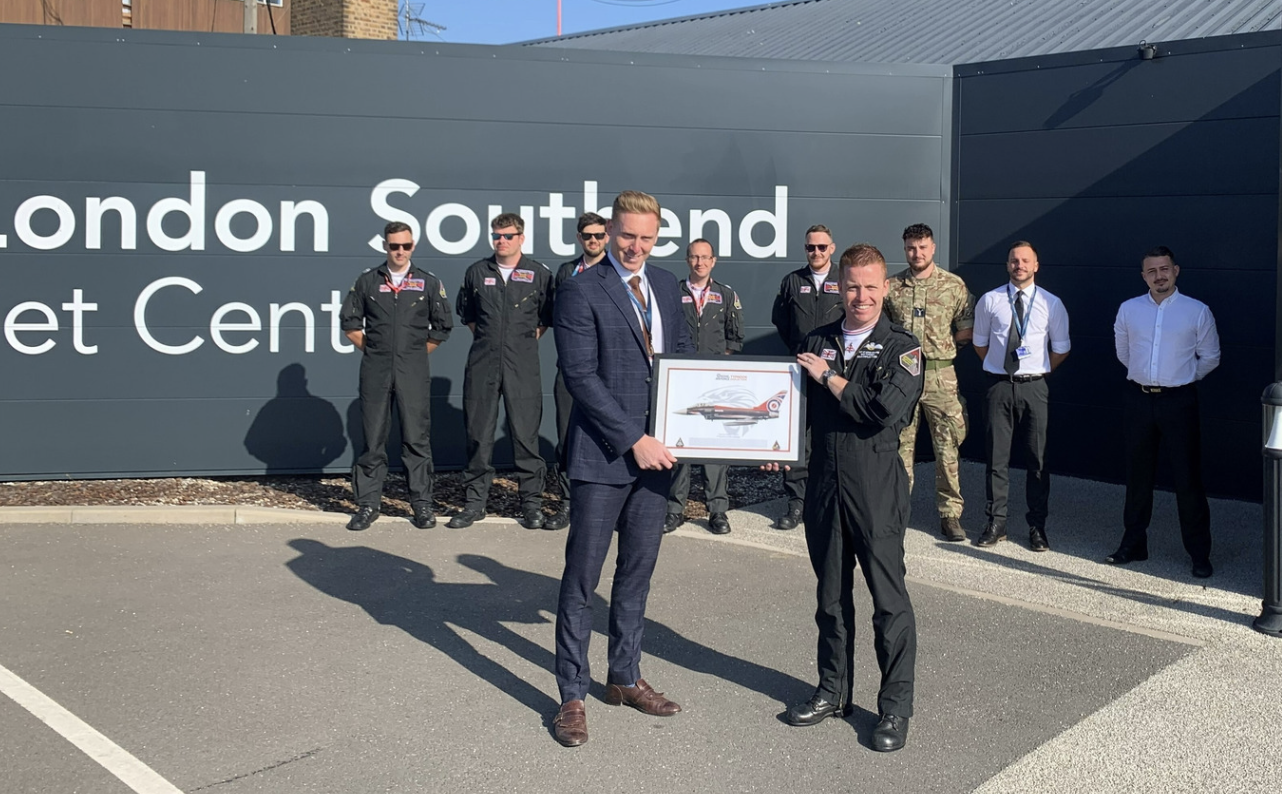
pixel 656 321
pixel 1046 329
pixel 1168 344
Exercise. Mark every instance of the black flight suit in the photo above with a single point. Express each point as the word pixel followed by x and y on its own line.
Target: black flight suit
pixel 718 328
pixel 504 360
pixel 799 309
pixel 857 507
pixel 564 402
pixel 398 323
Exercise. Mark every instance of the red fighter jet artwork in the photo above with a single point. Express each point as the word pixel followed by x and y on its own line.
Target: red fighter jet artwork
pixel 742 415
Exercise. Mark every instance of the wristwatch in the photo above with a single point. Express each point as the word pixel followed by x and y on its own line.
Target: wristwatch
pixel 824 378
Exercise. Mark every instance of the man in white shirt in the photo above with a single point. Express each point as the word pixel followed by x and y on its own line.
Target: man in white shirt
pixel 1167 341
pixel 1021 335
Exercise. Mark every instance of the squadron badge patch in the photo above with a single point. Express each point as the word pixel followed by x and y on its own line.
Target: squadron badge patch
pixel 911 361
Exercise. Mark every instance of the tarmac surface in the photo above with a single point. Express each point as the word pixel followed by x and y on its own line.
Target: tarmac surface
pixel 249 650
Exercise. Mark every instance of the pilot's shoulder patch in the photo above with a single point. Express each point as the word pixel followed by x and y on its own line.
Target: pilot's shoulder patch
pixel 911 361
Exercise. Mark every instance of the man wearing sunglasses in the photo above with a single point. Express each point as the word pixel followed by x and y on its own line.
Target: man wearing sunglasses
pixel 506 300
pixel 592 239
pixel 808 298
pixel 395 314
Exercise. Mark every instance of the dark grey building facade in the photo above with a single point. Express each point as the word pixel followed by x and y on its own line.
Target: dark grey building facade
pixel 181 214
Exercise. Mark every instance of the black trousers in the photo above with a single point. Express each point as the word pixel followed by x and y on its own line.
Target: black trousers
pixel 716 487
pixel 834 552
pixel 794 479
pixel 1167 420
pixel 1017 413
pixel 370 470
pixel 635 510
pixel 480 419
pixel 564 404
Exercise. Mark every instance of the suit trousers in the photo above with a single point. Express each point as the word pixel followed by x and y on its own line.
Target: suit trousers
pixel 636 511
pixel 1167 419
pixel 564 404
pixel 1017 412
pixel 834 551
pixel 716 487
pixel 370 470
pixel 480 417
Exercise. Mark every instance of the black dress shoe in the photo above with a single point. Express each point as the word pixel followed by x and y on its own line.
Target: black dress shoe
pixel 790 519
pixel 813 712
pixel 558 520
pixel 673 521
pixel 718 524
pixel 1203 569
pixel 951 529
pixel 890 734
pixel 466 518
pixel 1125 556
pixel 364 516
pixel 993 534
pixel 1037 539
pixel 423 518
pixel 533 518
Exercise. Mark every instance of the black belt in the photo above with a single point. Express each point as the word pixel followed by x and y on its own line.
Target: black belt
pixel 1014 378
pixel 1161 389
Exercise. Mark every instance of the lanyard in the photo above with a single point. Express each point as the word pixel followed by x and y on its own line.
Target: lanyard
pixel 396 289
pixel 645 311
pixel 1019 327
pixel 581 267
pixel 700 298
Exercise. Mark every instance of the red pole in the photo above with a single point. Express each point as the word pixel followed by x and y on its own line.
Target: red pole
pixel 558 18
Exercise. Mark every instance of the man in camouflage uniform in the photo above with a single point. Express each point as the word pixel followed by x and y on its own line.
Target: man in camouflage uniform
pixel 937 308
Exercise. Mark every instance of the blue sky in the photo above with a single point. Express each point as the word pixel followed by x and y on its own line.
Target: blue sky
pixel 507 21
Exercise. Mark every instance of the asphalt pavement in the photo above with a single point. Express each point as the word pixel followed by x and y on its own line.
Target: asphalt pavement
pixel 236 651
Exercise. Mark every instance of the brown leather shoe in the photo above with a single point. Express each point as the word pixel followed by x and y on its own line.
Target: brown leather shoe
pixel 570 725
pixel 642 698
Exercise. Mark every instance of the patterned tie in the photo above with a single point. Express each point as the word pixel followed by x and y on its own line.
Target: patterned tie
pixel 635 284
pixel 1015 339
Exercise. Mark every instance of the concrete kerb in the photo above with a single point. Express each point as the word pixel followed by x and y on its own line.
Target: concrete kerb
pixel 186 514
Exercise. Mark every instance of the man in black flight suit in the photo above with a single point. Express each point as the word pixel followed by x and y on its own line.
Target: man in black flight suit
pixel 867 375
pixel 506 300
pixel 396 314
pixel 807 299
pixel 592 239
pixel 715 320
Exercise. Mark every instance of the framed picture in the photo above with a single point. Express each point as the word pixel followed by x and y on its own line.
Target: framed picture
pixel 739 410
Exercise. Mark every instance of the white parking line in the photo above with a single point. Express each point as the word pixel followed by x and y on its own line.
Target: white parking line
pixel 132 772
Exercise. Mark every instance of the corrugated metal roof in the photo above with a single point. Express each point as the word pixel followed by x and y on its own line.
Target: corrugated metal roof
pixel 931 31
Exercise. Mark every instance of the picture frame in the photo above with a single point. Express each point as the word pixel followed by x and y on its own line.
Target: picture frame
pixel 733 410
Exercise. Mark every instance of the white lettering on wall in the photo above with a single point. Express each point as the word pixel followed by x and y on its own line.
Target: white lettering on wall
pixel 194 209
pixel 12 327
pixel 140 316
pixel 60 237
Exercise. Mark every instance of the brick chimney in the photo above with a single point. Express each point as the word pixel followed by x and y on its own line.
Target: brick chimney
pixel 348 19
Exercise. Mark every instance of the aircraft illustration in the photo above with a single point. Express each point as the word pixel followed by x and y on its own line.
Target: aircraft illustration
pixel 738 415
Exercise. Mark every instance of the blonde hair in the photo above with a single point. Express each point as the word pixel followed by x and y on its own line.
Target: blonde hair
pixel 862 255
pixel 636 203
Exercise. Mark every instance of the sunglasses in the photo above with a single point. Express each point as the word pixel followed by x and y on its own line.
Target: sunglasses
pixel 496 236
pixel 820 247
pixel 400 246
pixel 592 235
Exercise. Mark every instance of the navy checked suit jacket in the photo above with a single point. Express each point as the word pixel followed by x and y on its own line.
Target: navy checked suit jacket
pixel 603 361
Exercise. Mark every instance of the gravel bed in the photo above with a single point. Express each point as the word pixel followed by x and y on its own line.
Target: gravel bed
pixel 328 493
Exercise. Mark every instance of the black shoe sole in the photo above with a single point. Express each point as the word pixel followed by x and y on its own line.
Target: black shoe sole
pixel 988 543
pixel 841 712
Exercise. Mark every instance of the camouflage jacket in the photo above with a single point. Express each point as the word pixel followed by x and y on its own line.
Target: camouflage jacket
pixel 933 309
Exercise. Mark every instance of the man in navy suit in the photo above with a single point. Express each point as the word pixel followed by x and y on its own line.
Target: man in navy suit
pixel 610 322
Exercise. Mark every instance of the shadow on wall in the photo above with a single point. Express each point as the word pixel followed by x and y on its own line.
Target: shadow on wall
pixel 296 431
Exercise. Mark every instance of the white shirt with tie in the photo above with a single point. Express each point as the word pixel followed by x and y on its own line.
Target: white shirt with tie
pixel 656 320
pixel 1167 344
pixel 1046 328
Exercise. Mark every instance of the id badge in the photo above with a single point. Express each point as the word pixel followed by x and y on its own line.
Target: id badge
pixel 1022 352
